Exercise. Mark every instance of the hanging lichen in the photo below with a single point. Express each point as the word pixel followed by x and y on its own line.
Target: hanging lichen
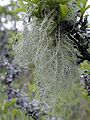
pixel 46 47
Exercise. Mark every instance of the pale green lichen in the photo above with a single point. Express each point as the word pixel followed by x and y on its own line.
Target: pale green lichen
pixel 54 65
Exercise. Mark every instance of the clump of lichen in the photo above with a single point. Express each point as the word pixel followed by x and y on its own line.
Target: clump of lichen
pixel 48 48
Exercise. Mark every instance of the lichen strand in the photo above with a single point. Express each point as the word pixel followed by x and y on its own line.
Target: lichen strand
pixel 55 69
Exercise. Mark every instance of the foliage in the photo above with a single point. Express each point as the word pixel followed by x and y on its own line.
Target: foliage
pixel 82 4
pixel 40 8
pixel 85 65
pixel 45 9
pixel 59 8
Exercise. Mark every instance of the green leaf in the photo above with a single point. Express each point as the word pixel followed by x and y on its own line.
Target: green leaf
pixel 8 104
pixel 82 3
pixel 35 1
pixel 19 10
pixel 85 65
pixel 51 2
pixel 21 3
pixel 64 10
pixel 63 1
pixel 27 0
pixel 86 8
